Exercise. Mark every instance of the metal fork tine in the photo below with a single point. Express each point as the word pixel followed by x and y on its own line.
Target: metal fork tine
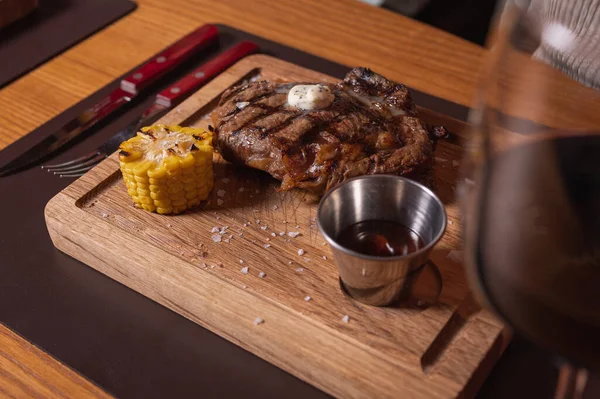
pixel 67 169
pixel 80 170
pixel 71 175
pixel 83 158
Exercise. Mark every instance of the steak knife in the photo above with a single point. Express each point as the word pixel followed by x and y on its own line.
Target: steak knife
pixel 178 91
pixel 163 103
pixel 137 81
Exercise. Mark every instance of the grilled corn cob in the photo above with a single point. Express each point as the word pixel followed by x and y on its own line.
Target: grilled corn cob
pixel 168 169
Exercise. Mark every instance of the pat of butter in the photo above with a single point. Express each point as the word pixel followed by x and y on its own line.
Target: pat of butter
pixel 308 97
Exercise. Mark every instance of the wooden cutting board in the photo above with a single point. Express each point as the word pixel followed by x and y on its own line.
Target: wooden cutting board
pixel 441 351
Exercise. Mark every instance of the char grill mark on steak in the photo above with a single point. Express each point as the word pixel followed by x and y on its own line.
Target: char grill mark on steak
pixel 370 127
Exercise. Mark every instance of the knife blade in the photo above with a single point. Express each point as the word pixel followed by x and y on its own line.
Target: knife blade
pixel 130 86
pixel 178 91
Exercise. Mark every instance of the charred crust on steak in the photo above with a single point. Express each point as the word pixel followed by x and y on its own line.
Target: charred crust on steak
pixel 371 127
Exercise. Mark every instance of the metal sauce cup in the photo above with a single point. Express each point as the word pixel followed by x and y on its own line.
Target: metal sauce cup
pixel 379 280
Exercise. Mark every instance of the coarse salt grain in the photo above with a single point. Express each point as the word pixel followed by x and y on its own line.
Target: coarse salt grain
pixel 216 238
pixel 275 207
pixel 257 221
pixel 221 193
pixel 220 202
pixel 226 240
pixel 214 230
pixel 290 262
pixel 297 227
pixel 105 215
pixel 293 234
pixel 300 252
pixel 244 270
pixel 268 239
pixel 169 225
pixel 455 164
pixel 266 246
pixel 258 321
pixel 346 319
pixel 262 275
pixel 281 233
pixel 299 270
pixel 306 259
pixel 307 298
pixel 273 235
pixel 288 240
pixel 241 190
pixel 450 222
pixel 264 227
pixel 324 257
pixel 241 262
pixel 244 286
pixel 324 243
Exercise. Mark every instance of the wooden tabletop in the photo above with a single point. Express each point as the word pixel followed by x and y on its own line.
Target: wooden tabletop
pixel 344 31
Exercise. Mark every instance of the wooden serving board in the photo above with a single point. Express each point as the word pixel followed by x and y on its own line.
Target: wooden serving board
pixel 442 351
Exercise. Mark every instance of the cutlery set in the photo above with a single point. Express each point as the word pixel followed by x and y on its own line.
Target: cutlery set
pixel 134 85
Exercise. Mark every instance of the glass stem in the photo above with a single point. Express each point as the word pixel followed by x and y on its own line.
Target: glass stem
pixel 571 382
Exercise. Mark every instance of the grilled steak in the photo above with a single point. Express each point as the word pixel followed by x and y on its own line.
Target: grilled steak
pixel 371 127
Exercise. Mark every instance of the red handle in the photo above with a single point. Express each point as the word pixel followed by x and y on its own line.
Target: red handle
pixel 183 87
pixel 170 58
pixel 100 110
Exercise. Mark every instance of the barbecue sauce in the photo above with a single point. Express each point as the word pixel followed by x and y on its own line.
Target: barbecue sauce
pixel 380 238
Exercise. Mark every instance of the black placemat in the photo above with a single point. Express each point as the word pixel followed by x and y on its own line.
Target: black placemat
pixel 52 28
pixel 132 346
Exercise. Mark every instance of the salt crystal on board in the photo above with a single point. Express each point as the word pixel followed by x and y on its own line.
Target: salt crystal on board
pixel 275 207
pixel 214 230
pixel 293 234
pixel 244 270
pixel 266 246
pixel 241 262
pixel 281 233
pixel 346 319
pixel 258 321
pixel 324 257
pixel 221 193
pixel 273 235
pixel 241 190
pixel 262 275
pixel 299 270
pixel 105 215
pixel 300 252
pixel 455 164
pixel 264 227
pixel 216 238
pixel 307 298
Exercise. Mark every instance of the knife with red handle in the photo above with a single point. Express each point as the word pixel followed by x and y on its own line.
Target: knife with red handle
pixel 147 74
pixel 163 103
pixel 198 77
pixel 180 90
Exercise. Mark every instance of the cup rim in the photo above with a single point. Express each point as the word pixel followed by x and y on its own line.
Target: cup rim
pixel 354 253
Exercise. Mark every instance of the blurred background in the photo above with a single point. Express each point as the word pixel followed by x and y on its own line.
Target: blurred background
pixel 468 19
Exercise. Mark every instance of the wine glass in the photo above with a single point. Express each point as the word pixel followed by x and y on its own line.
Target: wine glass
pixel 531 181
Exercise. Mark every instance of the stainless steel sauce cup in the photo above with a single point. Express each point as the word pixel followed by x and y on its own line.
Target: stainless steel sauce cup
pixel 379 280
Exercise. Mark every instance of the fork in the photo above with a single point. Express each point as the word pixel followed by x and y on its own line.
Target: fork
pixel 163 102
